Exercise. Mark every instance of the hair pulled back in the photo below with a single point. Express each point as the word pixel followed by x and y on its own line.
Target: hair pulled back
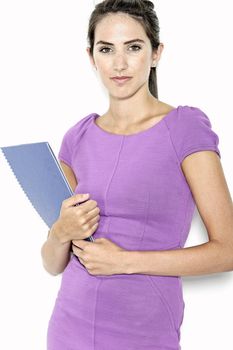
pixel 143 12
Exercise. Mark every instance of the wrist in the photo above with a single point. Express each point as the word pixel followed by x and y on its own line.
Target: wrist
pixel 129 260
pixel 57 234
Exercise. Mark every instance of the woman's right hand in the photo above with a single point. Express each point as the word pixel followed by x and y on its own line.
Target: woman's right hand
pixel 76 222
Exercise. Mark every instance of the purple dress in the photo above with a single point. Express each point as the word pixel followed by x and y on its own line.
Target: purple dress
pixel 145 204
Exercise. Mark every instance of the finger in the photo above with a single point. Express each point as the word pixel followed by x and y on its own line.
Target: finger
pixel 81 260
pixel 75 199
pixel 80 243
pixel 78 252
pixel 101 240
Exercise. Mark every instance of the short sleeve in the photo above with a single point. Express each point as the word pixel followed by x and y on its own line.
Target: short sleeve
pixel 71 139
pixel 66 148
pixel 192 132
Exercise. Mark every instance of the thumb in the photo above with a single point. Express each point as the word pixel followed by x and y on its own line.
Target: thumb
pixel 75 199
pixel 81 197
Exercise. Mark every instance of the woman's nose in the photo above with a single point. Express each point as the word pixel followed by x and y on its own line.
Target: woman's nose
pixel 120 61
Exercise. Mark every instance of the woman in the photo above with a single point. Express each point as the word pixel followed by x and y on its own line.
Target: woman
pixel 144 165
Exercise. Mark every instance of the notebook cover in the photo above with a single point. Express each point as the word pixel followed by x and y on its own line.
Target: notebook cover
pixel 40 176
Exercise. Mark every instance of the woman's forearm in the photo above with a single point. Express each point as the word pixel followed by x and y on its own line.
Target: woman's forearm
pixel 55 254
pixel 207 258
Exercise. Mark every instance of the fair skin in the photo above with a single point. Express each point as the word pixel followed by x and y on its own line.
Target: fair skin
pixel 134 60
pixel 202 170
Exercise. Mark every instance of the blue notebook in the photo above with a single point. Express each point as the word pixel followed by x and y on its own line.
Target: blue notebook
pixel 41 178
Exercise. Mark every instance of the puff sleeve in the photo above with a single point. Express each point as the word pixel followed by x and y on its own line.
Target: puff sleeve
pixel 67 146
pixel 72 138
pixel 191 132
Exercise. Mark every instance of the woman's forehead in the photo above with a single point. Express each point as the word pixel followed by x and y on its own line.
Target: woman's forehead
pixel 120 26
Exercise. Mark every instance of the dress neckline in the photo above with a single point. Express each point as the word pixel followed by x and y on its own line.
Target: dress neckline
pixel 98 128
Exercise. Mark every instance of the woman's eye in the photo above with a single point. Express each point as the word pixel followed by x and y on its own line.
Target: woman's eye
pixel 136 46
pixel 104 48
pixel 107 48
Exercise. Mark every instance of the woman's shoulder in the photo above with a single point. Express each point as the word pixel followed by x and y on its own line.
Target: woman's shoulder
pixel 83 122
pixel 187 116
pixel 182 116
pixel 72 137
pixel 191 130
pixel 79 127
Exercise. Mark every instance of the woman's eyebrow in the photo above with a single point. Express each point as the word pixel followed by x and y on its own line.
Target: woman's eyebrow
pixel 127 42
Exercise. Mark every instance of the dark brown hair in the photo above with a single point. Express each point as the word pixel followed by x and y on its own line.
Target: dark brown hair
pixel 143 12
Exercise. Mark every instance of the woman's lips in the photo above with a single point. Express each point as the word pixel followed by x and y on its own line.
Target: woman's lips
pixel 121 80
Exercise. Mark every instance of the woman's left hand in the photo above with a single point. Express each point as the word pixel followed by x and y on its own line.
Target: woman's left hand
pixel 101 257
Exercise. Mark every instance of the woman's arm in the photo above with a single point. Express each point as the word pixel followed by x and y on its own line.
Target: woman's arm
pixel 205 176
pixel 69 175
pixel 56 254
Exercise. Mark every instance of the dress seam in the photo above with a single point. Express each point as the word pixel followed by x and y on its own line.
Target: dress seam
pixel 183 180
pixel 111 177
pixel 145 222
pixel 176 154
pixel 164 302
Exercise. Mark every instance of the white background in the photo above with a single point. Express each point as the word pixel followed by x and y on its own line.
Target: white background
pixel 46 85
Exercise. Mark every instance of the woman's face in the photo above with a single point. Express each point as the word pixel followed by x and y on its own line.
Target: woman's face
pixel 118 58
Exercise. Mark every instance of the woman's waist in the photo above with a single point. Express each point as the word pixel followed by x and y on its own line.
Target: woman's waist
pixel 80 291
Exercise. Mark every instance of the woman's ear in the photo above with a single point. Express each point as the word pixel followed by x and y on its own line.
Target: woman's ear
pixel 91 57
pixel 157 54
